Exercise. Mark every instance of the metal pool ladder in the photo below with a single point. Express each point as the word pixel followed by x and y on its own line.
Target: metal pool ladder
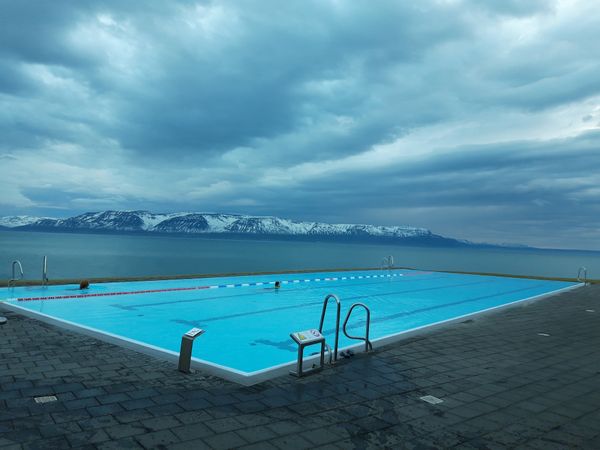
pixel 16 263
pixel 337 323
pixel 582 275
pixel 387 263
pixel 368 345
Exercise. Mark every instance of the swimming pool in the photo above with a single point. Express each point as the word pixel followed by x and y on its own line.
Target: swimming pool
pixel 248 322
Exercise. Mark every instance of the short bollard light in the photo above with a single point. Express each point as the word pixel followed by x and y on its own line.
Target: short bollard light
pixel 304 339
pixel 185 353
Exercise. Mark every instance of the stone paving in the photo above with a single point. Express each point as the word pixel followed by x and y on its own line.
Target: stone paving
pixel 503 385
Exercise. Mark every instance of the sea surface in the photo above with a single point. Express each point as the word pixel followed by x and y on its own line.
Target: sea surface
pixel 129 255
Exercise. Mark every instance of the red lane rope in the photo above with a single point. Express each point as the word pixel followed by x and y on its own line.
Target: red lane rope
pixel 194 288
pixel 105 294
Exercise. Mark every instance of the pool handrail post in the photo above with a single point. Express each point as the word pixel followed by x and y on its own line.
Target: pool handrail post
pixel 16 263
pixel 579 272
pixel 368 344
pixel 337 321
pixel 44 271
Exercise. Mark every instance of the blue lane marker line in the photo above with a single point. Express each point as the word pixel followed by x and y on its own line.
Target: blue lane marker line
pixel 304 280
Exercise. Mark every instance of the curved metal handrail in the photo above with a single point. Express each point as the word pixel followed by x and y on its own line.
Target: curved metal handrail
pixel 368 345
pixel 579 272
pixel 16 263
pixel 387 263
pixel 44 270
pixel 337 321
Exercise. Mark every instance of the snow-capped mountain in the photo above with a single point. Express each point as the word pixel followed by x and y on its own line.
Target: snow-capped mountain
pixel 18 221
pixel 212 223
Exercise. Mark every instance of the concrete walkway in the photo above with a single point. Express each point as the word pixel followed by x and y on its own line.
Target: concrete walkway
pixel 526 377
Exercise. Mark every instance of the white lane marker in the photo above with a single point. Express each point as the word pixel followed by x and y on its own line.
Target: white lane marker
pixel 543 334
pixel 590 310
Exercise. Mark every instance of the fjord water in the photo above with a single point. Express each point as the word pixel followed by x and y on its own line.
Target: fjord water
pixel 113 255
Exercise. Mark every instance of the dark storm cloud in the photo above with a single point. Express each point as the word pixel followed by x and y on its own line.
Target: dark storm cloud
pixel 435 113
pixel 259 79
pixel 263 81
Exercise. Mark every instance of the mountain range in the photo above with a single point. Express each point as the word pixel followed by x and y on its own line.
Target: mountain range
pixel 223 225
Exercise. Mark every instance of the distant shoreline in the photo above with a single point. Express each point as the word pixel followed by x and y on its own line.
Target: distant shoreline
pixel 434 241
pixel 282 272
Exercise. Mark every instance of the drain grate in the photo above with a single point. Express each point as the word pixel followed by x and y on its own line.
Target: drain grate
pixel 590 310
pixel 45 399
pixel 431 399
pixel 543 334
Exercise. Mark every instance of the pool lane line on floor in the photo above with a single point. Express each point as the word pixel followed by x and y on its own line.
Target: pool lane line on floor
pixel 217 286
pixel 247 294
pixel 304 305
pixel 202 323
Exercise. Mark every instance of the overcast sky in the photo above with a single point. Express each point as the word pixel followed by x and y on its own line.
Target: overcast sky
pixel 476 119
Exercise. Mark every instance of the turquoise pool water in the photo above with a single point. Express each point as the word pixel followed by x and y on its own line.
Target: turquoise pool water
pixel 248 323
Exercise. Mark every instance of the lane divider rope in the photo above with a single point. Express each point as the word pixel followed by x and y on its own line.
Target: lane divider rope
pixel 216 286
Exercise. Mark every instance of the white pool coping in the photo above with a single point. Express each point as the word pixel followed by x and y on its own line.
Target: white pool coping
pixel 259 376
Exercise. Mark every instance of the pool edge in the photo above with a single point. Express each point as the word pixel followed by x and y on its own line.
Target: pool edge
pixel 424 329
pixel 259 376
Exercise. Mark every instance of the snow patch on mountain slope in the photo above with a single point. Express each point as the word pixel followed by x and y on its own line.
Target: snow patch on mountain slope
pixel 209 223
pixel 19 221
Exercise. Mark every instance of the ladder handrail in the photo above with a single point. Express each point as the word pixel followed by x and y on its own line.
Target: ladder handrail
pixel 16 263
pixel 337 321
pixel 387 263
pixel 368 345
pixel 584 270
pixel 44 270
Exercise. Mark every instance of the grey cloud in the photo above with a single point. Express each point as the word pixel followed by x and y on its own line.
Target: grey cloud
pixel 278 84
pixel 515 8
pixel 255 87
pixel 511 186
pixel 202 98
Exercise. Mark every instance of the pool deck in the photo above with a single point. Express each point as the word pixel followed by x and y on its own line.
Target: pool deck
pixel 503 384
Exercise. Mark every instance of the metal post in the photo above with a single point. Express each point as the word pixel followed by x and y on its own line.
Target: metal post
pixel 337 322
pixel 185 353
pixel 300 358
pixel 44 271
